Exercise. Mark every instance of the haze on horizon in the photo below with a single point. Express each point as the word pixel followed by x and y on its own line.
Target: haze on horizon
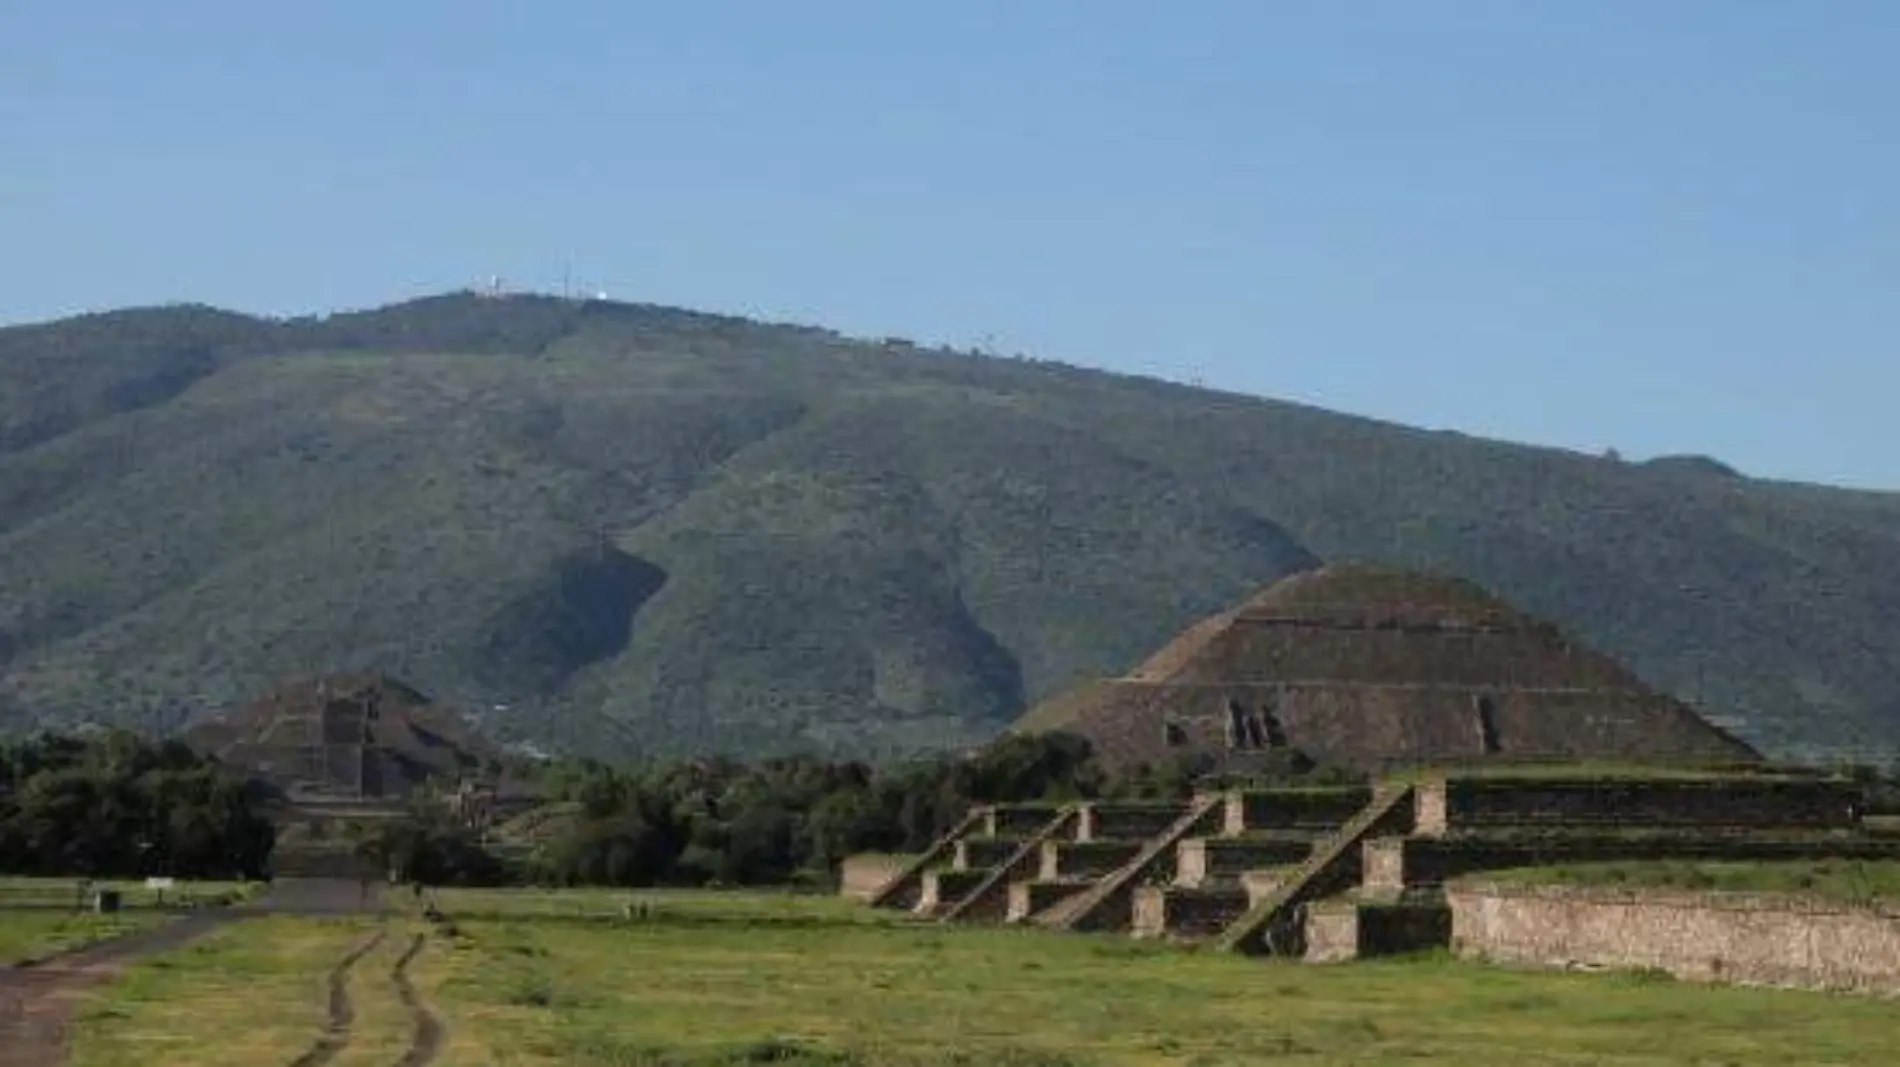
pixel 1658 228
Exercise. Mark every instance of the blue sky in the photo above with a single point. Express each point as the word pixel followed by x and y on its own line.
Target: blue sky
pixel 1654 225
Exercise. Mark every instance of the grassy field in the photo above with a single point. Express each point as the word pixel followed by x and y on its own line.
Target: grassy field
pixel 253 992
pixel 38 891
pixel 1846 880
pixel 669 905
pixel 31 934
pixel 698 980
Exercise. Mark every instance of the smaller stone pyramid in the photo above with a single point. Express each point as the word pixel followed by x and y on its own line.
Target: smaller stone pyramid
pixel 1376 669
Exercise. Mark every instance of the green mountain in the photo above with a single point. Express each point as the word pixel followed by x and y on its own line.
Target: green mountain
pixel 622 528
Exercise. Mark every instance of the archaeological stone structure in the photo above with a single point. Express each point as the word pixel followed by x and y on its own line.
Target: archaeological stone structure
pixel 1340 872
pixel 350 750
pixel 1728 937
pixel 344 737
pixel 1374 670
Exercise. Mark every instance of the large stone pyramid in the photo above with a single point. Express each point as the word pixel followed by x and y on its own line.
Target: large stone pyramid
pixel 1374 669
pixel 361 736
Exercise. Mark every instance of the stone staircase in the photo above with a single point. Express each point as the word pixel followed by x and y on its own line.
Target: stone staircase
pixel 1262 836
pixel 1339 872
pixel 1335 864
pixel 1176 869
pixel 988 897
pixel 1108 903
pixel 905 890
pixel 1467 824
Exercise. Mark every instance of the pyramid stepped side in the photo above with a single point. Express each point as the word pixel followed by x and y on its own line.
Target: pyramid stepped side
pixel 365 735
pixel 1377 671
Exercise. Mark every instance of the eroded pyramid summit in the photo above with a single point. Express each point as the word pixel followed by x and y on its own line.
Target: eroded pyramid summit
pixel 359 736
pixel 1375 669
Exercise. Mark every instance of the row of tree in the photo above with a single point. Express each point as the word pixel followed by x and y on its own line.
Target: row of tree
pixel 781 821
pixel 115 806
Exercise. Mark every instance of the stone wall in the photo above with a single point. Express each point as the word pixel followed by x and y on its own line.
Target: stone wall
pixel 864 874
pixel 1409 863
pixel 1715 802
pixel 1084 859
pixel 1332 932
pixel 1017 820
pixel 1291 809
pixel 1773 940
pixel 1186 911
pixel 1201 858
pixel 982 853
pixel 1110 821
pixel 1381 727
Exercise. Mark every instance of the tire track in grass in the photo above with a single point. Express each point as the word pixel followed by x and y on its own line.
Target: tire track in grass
pixel 336 1031
pixel 427 1040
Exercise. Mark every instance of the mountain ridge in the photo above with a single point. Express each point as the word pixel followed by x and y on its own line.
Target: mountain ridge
pixel 860 546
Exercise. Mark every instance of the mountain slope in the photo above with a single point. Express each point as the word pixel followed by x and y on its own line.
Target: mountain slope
pixel 613 526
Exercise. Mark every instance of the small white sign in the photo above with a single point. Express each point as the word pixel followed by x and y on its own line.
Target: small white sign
pixel 159 884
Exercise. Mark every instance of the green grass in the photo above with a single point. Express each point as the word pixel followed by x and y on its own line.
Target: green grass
pixel 22 890
pixel 716 982
pixel 680 906
pixel 253 992
pixel 31 934
pixel 1844 880
pixel 718 979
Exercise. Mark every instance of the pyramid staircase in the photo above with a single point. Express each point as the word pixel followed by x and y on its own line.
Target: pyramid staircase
pixel 1161 868
pixel 1376 886
pixel 1341 872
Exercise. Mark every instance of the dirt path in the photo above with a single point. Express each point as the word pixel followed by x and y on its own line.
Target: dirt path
pixel 336 1031
pixel 37 1000
pixel 318 896
pixel 427 1041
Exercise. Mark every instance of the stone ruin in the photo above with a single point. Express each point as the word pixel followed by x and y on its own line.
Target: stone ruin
pixel 1338 872
pixel 350 750
pixel 1391 674
pixel 345 737
pixel 1374 670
